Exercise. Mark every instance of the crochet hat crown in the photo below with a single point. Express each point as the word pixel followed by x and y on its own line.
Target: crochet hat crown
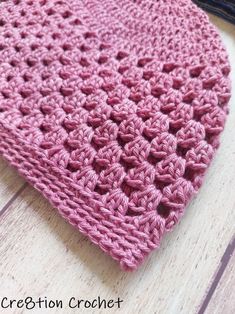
pixel 112 109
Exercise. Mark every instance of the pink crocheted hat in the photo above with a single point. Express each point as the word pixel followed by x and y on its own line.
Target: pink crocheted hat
pixel 112 109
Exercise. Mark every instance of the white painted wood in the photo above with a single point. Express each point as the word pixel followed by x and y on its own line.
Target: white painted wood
pixel 10 183
pixel 223 300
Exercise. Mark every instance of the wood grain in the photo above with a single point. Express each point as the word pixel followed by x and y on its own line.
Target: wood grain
pixel 41 255
pixel 223 300
pixel 10 183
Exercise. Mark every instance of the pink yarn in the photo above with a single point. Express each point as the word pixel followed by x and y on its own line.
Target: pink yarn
pixel 112 109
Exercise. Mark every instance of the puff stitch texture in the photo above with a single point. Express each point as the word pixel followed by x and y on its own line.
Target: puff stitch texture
pixel 112 109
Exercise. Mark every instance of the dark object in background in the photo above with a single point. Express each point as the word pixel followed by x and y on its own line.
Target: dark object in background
pixel 224 8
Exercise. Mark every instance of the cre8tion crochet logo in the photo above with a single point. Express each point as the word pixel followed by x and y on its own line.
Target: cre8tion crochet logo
pixel 30 303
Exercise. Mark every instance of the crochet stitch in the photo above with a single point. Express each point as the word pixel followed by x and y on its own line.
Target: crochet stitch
pixel 113 110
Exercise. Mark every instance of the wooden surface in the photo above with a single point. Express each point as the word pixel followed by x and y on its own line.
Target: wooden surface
pixel 223 299
pixel 192 272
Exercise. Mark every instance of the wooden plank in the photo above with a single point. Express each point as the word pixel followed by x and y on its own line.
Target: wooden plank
pixel 10 184
pixel 41 255
pixel 223 299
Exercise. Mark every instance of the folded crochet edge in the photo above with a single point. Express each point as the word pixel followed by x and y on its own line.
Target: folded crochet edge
pixel 125 243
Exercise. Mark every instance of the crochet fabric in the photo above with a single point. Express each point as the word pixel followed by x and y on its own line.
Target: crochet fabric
pixel 112 109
